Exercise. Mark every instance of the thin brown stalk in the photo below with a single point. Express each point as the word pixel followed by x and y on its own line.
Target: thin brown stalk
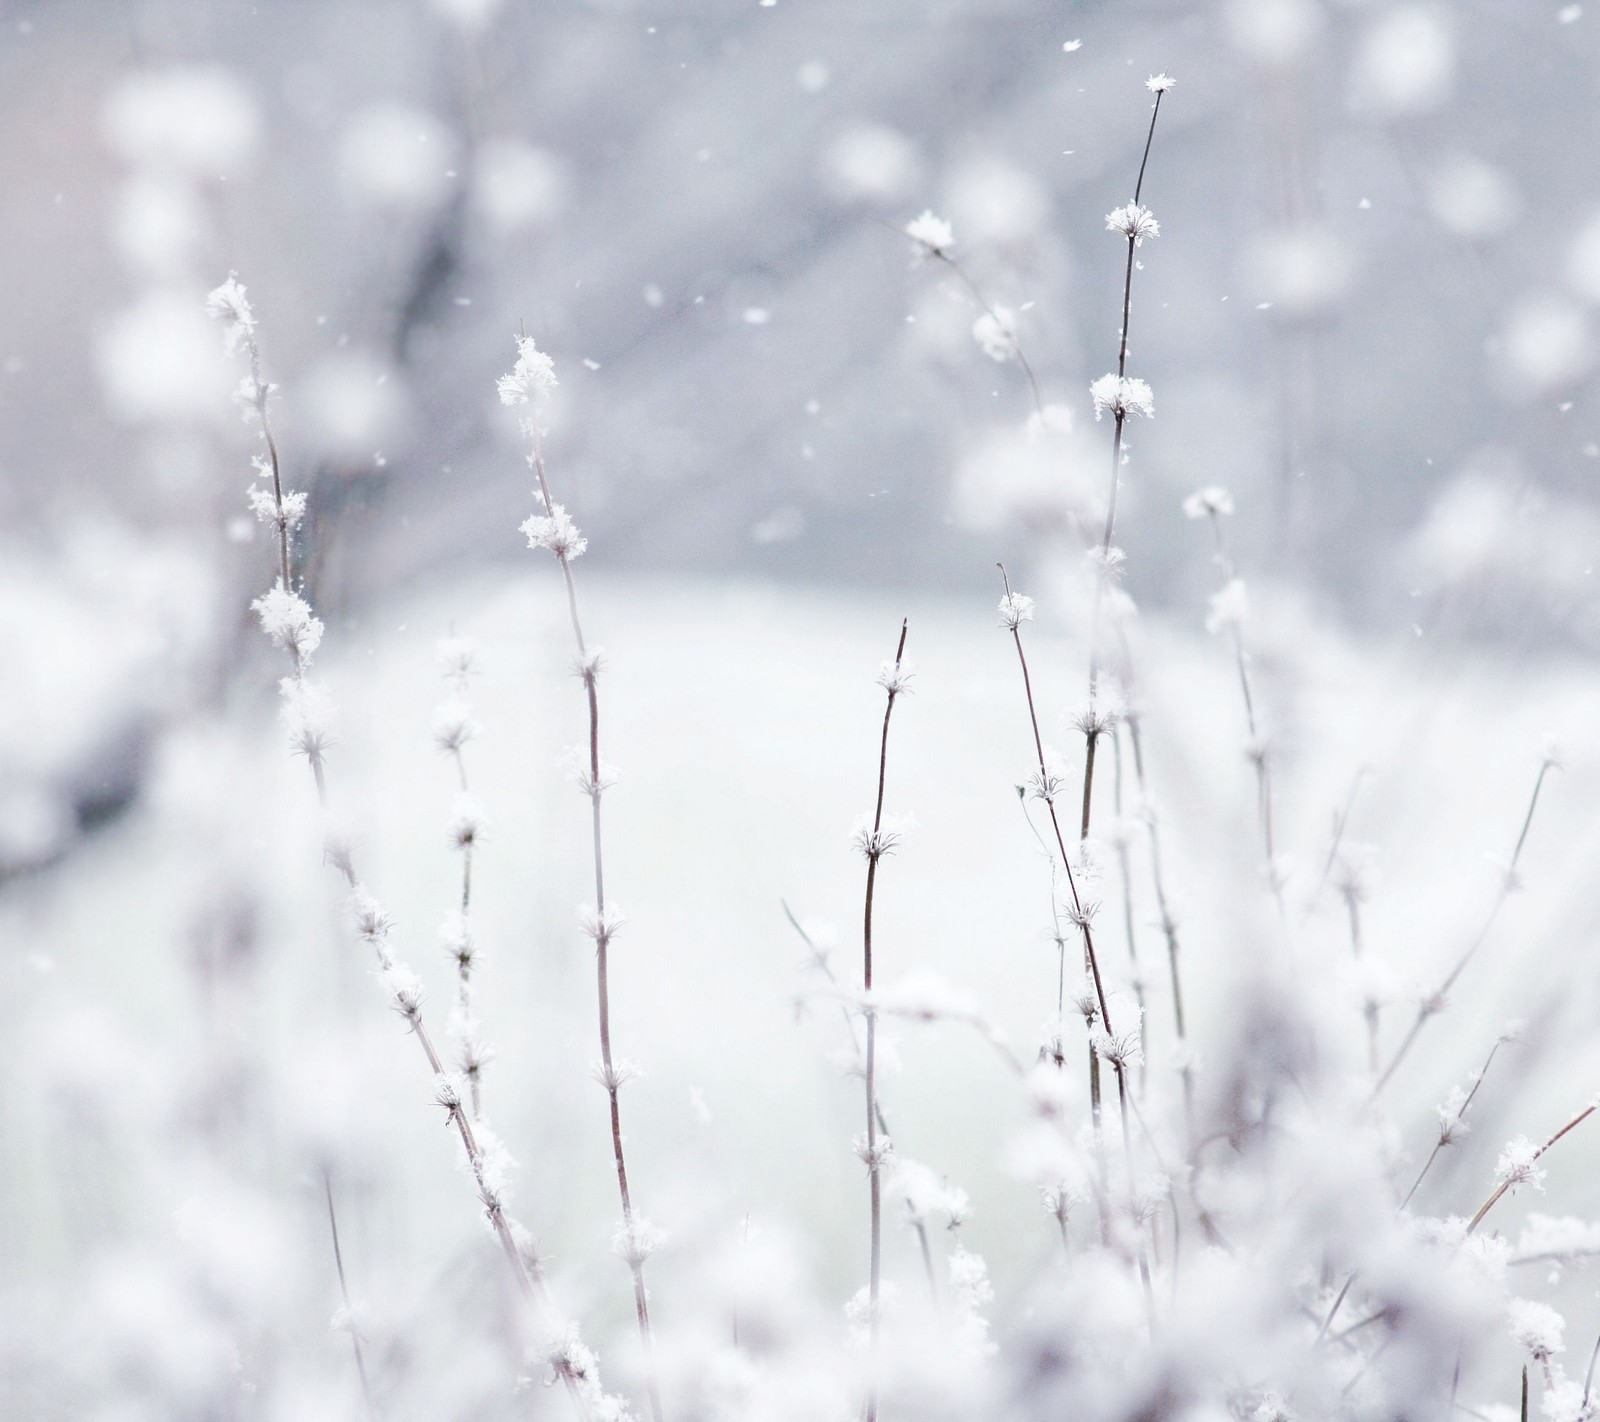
pixel 1125 873
pixel 1169 922
pixel 1432 1005
pixel 344 1295
pixel 1260 752
pixel 1116 458
pixel 1446 1134
pixel 820 961
pixel 1046 790
pixel 472 1055
pixel 526 1268
pixel 874 848
pixel 1499 1191
pixel 589 670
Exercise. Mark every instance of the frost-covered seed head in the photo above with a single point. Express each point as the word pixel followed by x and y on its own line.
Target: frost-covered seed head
pixel 996 333
pixel 594 785
pixel 1133 221
pixel 1081 914
pixel 602 927
pixel 459 944
pixel 372 920
pixel 230 305
pixel 1085 1000
pixel 555 533
pixel 454 726
pixel 617 1075
pixel 1061 1199
pixel 874 1155
pixel 1045 785
pixel 932 233
pixel 532 379
pixel 1123 1047
pixel 1537 1328
pixel 1015 609
pixel 896 677
pixel 636 1240
pixel 1108 563
pixel 1213 501
pixel 285 516
pixel 474 1056
pixel 923 1194
pixel 447 1092
pixel 1159 83
pixel 405 990
pixel 287 619
pixel 467 822
pixel 1097 719
pixel 1122 396
pixel 1452 1111
pixel 1518 1166
pixel 874 843
pixel 458 660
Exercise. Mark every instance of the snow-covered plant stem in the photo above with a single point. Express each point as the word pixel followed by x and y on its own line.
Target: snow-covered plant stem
pixel 1228 611
pixel 1121 397
pixel 290 623
pixel 1452 1119
pixel 454 727
pixel 554 532
pixel 344 1294
pixel 819 961
pixel 1125 873
pixel 874 845
pixel 1169 923
pixel 1452 1126
pixel 1014 611
pixel 1434 1003
pixel 1517 1168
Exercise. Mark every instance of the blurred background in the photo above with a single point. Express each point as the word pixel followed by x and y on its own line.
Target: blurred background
pixel 1369 314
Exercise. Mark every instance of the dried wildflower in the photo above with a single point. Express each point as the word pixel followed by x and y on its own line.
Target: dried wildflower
pixel 602 927
pixel 636 1240
pixel 1518 1166
pixel 230 305
pixel 874 842
pixel 896 677
pixel 467 821
pixel 287 619
pixel 1122 396
pixel 932 233
pixel 454 726
pixel 555 533
pixel 1133 221
pixel 874 1155
pixel 1015 609
pixel 1209 502
pixel 996 333
pixel 532 379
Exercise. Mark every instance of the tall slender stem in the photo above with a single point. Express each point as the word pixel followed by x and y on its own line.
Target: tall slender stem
pixel 344 1295
pixel 875 847
pixel 1434 1003
pixel 1047 792
pixel 603 928
pixel 526 1269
